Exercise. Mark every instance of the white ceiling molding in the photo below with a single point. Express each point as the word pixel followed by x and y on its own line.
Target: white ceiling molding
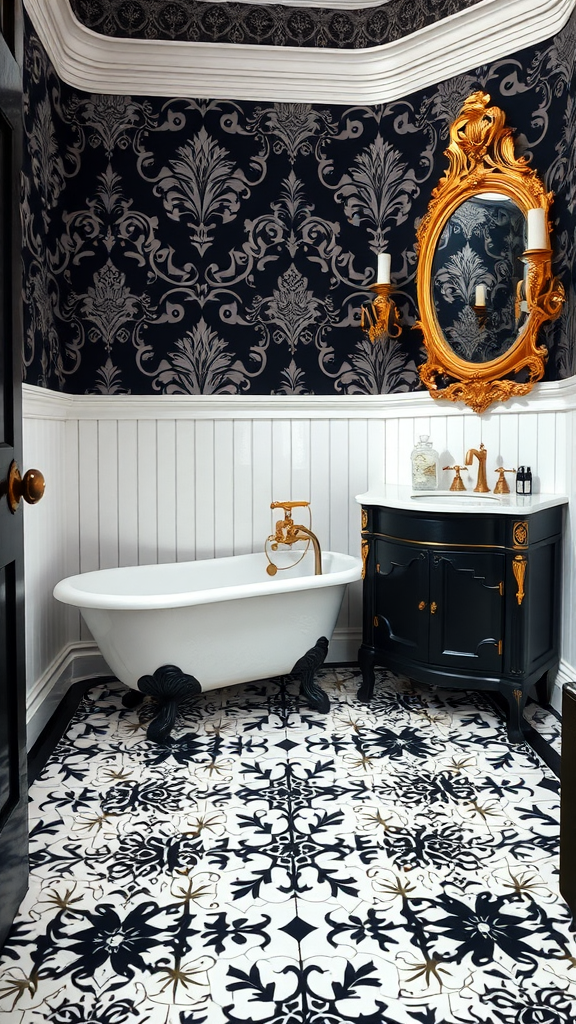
pixel 94 63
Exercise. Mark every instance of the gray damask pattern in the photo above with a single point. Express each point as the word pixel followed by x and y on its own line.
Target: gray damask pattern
pixel 220 247
pixel 262 24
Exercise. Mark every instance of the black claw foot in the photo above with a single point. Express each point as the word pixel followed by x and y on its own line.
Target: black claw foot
pixel 132 699
pixel 305 667
pixel 169 686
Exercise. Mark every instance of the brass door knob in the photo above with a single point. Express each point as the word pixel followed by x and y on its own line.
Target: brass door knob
pixel 30 487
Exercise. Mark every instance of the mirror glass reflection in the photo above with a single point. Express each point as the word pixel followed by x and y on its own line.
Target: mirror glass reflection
pixel 477 277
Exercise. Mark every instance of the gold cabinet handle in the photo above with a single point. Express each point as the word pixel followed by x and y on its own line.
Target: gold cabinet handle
pixel 30 487
pixel 433 608
pixel 421 606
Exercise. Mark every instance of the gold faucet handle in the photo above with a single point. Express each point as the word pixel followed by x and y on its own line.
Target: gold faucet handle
pixel 288 505
pixel 457 483
pixel 502 483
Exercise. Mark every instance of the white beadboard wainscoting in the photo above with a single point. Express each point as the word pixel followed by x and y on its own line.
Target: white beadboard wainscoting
pixel 154 479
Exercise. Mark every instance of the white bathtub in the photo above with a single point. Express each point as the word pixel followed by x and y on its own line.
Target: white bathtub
pixel 219 620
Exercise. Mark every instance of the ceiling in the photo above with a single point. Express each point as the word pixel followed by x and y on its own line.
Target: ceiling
pixel 364 53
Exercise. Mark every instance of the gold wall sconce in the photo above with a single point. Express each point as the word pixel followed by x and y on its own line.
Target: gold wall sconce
pixel 380 318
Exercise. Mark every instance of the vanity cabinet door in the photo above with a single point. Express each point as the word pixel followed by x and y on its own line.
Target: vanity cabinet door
pixel 467 605
pixel 401 603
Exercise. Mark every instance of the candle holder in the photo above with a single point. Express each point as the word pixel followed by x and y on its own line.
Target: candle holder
pixel 519 302
pixel 481 314
pixel 380 318
pixel 544 292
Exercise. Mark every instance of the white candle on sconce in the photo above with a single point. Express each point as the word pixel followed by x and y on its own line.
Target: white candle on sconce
pixel 480 295
pixel 537 229
pixel 383 273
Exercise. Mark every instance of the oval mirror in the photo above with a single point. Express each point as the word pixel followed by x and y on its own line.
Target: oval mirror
pixel 477 268
pixel 484 276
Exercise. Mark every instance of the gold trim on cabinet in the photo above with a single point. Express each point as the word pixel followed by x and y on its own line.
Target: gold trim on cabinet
pixel 364 519
pixel 421 606
pixel 518 695
pixel 375 620
pixel 501 588
pixel 500 646
pixel 365 550
pixel 520 534
pixel 519 566
pixel 441 545
pixel 482 159
pixel 433 608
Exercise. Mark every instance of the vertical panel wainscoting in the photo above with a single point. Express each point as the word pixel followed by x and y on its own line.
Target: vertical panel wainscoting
pixel 51 531
pixel 133 480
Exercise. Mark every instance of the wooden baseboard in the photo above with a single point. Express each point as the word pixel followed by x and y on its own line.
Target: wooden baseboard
pixel 75 662
pixel 566 674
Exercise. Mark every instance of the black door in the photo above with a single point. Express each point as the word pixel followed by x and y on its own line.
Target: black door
pixel 467 606
pixel 401 599
pixel 13 788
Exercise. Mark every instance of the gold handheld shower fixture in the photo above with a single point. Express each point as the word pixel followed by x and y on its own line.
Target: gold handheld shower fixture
pixel 288 532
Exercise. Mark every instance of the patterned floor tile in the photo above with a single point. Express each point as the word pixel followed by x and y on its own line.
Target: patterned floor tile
pixel 385 863
pixel 546 723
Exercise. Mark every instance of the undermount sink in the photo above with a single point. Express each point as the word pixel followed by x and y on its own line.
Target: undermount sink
pixel 453 497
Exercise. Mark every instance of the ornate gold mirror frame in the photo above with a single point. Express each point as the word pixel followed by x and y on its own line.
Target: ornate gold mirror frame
pixel 481 159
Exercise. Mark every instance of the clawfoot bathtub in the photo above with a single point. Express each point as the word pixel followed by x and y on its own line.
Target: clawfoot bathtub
pixel 178 629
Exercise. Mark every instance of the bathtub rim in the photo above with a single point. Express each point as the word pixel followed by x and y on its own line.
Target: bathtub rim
pixel 67 592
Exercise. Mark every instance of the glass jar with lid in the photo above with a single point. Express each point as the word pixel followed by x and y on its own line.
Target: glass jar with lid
pixel 424 465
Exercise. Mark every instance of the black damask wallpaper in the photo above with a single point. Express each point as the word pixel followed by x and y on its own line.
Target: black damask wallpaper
pixel 186 246
pixel 263 24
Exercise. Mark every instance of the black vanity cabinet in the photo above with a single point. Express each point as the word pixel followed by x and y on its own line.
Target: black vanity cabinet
pixel 463 599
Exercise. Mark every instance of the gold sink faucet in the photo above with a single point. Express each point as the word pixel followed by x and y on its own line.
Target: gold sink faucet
pixel 457 483
pixel 502 483
pixel 481 453
pixel 288 532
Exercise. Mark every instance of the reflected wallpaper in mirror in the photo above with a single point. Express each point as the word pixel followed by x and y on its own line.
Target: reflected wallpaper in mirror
pixel 475 275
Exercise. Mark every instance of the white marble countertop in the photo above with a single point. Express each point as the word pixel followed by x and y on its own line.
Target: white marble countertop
pixel 403 497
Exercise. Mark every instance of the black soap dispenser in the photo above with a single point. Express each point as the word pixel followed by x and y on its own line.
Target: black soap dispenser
pixel 528 481
pixel 520 479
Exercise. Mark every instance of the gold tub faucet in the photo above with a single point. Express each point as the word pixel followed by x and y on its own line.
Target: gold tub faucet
pixel 288 532
pixel 481 453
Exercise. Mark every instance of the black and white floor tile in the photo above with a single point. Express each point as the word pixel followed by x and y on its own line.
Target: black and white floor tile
pixel 547 724
pixel 385 864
